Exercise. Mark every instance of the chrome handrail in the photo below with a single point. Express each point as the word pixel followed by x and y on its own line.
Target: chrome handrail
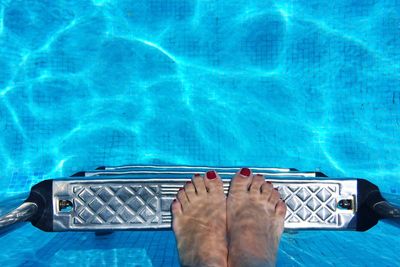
pixel 23 213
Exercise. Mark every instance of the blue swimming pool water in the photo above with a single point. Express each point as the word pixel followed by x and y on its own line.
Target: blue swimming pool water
pixel 313 85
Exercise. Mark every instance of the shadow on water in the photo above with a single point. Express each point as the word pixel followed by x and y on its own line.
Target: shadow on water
pixel 141 248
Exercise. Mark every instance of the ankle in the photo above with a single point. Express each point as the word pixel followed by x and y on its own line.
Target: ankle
pixel 251 256
pixel 249 261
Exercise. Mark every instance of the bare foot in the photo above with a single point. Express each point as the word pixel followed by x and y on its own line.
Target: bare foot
pixel 199 222
pixel 255 218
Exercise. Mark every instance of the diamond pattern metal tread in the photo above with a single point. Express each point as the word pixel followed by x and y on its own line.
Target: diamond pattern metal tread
pixel 139 197
pixel 145 204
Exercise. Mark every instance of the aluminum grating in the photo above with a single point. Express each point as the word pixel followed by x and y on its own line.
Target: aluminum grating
pixel 145 204
pixel 311 204
pixel 117 204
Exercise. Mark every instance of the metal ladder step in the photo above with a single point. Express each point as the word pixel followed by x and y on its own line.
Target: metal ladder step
pixel 103 204
pixel 139 197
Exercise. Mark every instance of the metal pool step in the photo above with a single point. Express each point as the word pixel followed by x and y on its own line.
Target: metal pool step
pixel 102 204
pixel 139 197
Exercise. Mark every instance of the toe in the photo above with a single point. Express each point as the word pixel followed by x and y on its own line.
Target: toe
pixel 190 191
pixel 266 189
pixel 198 182
pixel 280 208
pixel 213 182
pixel 176 208
pixel 256 183
pixel 241 182
pixel 274 197
pixel 183 199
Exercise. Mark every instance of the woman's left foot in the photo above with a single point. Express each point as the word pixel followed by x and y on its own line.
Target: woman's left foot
pixel 199 222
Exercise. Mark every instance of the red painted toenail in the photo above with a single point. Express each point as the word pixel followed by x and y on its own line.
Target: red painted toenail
pixel 180 189
pixel 197 174
pixel 174 200
pixel 268 182
pixel 211 175
pixel 245 172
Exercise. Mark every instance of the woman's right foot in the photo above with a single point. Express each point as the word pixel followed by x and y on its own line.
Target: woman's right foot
pixel 255 218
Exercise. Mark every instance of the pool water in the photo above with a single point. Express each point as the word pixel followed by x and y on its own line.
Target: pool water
pixel 313 85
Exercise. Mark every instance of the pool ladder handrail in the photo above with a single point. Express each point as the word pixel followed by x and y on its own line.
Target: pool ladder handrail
pixel 24 212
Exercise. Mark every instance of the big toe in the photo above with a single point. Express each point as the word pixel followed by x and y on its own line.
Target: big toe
pixel 241 182
pixel 176 208
pixel 213 183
